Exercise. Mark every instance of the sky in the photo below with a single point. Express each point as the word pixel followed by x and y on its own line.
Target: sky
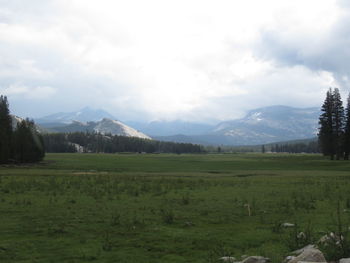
pixel 200 61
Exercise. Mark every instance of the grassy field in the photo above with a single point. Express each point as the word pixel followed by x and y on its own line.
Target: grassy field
pixel 168 208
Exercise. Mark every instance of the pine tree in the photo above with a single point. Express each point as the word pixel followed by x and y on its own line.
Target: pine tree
pixel 325 135
pixel 331 131
pixel 338 123
pixel 28 143
pixel 346 140
pixel 5 131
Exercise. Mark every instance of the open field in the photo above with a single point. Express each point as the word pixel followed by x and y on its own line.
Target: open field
pixel 168 208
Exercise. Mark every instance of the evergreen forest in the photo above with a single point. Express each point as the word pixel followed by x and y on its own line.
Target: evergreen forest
pixel 334 130
pixel 20 142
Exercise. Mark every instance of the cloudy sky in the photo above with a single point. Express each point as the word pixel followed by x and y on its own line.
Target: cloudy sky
pixel 184 59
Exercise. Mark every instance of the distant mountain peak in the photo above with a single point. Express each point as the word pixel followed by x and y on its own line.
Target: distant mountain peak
pixel 104 126
pixel 85 114
pixel 270 124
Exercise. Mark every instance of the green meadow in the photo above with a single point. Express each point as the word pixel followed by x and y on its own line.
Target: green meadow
pixel 156 208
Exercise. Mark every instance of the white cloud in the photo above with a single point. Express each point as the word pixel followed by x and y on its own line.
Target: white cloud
pixel 168 59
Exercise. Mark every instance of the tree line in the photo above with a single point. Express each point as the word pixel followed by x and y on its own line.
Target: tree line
pixel 334 131
pixel 107 143
pixel 301 147
pixel 21 142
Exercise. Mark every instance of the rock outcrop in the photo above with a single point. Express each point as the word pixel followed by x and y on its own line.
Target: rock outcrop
pixel 307 254
pixel 256 259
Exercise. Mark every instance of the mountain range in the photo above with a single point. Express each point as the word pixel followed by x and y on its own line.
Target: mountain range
pixel 258 126
pixel 104 126
pixel 84 115
pixel 270 124
pixel 87 120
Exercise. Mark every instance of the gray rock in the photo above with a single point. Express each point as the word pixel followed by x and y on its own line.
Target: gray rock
pixel 287 259
pixel 310 254
pixel 299 251
pixel 256 259
pixel 287 225
pixel 344 260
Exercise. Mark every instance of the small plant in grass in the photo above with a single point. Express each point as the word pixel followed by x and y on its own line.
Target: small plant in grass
pixel 58 229
pixel 297 238
pixel 204 212
pixel 107 244
pixel 336 244
pixel 87 257
pixel 348 203
pixel 115 220
pixel 276 227
pixel 215 254
pixel 185 200
pixel 167 216
pixel 137 220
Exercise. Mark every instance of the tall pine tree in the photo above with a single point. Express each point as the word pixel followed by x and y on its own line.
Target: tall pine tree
pixel 332 124
pixel 325 135
pixel 5 131
pixel 346 140
pixel 338 123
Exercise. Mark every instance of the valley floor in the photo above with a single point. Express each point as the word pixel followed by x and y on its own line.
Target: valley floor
pixel 168 208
